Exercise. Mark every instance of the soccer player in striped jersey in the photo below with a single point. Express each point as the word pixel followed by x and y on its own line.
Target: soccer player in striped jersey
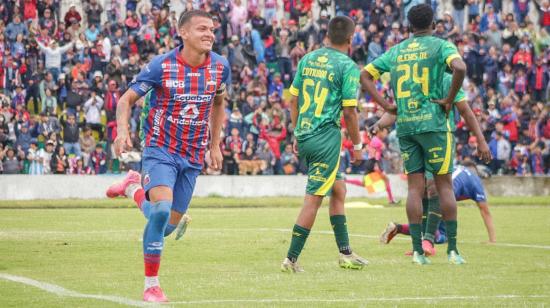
pixel 187 86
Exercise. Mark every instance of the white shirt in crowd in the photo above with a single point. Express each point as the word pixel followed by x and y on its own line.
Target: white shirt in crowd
pixel 107 49
pixel 36 158
pixel 92 108
pixel 503 149
pixel 53 56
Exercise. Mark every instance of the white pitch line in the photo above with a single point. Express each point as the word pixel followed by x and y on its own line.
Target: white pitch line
pixel 39 232
pixel 355 300
pixel 60 291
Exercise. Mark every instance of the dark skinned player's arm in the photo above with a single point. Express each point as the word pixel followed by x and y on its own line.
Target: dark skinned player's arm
pixel 459 72
pixel 368 85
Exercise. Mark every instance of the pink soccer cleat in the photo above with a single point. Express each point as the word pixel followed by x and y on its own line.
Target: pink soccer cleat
pixel 429 249
pixel 119 189
pixel 154 294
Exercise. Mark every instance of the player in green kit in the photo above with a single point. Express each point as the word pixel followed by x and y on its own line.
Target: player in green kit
pixel 325 86
pixel 430 203
pixel 424 129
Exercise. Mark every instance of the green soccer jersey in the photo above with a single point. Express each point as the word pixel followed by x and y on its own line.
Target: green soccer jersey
pixel 460 96
pixel 326 81
pixel 143 116
pixel 417 69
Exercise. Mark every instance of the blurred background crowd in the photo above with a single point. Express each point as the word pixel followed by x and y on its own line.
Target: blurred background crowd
pixel 66 64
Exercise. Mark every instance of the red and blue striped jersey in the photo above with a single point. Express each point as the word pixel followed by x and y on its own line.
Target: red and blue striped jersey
pixel 178 113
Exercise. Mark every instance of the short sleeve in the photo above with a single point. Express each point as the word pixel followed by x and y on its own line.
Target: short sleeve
pixel 380 65
pixel 448 53
pixel 226 78
pixel 350 86
pixel 478 194
pixel 297 82
pixel 149 77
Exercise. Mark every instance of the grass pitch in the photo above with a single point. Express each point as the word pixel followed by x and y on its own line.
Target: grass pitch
pixel 231 257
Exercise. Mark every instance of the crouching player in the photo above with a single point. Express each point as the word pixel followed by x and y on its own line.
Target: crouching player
pixel 467 185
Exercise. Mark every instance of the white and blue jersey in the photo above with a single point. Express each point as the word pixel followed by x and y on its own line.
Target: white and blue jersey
pixel 467 185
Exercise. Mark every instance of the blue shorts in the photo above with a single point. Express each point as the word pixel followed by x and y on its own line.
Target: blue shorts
pixel 161 168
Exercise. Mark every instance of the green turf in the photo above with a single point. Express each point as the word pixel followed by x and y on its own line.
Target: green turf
pixel 221 202
pixel 235 253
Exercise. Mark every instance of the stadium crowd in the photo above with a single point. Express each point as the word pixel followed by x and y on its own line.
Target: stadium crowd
pixel 62 75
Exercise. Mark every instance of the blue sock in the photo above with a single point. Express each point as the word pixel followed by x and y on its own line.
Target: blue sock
pixel 169 229
pixel 146 208
pixel 153 236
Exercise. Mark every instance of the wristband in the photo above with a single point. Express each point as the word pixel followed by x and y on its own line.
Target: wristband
pixel 358 147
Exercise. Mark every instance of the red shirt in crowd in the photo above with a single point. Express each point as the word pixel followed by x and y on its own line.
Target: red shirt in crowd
pixel 29 11
pixel 274 140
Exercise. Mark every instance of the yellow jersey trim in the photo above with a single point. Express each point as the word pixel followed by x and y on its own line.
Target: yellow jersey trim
pixel 373 71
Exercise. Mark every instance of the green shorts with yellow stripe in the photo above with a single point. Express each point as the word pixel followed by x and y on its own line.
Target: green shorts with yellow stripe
pixel 431 152
pixel 321 154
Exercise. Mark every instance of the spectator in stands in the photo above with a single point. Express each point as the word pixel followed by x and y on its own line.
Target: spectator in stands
pixel 15 28
pixel 539 79
pixel 232 149
pixel 49 104
pixel 71 134
pixel 12 163
pixel 24 137
pixel 265 154
pixel 506 86
pixel 87 145
pixel 289 160
pixel 59 162
pixel 501 150
pixel 98 160
pixel 53 56
pixel 36 158
pixel 72 15
pixel 92 110
pixel 489 17
pixel 93 12
pixel 47 157
pixel 74 100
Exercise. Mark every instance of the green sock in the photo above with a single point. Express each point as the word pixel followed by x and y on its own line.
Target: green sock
pixel 434 216
pixel 451 226
pixel 425 207
pixel 416 237
pixel 340 228
pixel 299 237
